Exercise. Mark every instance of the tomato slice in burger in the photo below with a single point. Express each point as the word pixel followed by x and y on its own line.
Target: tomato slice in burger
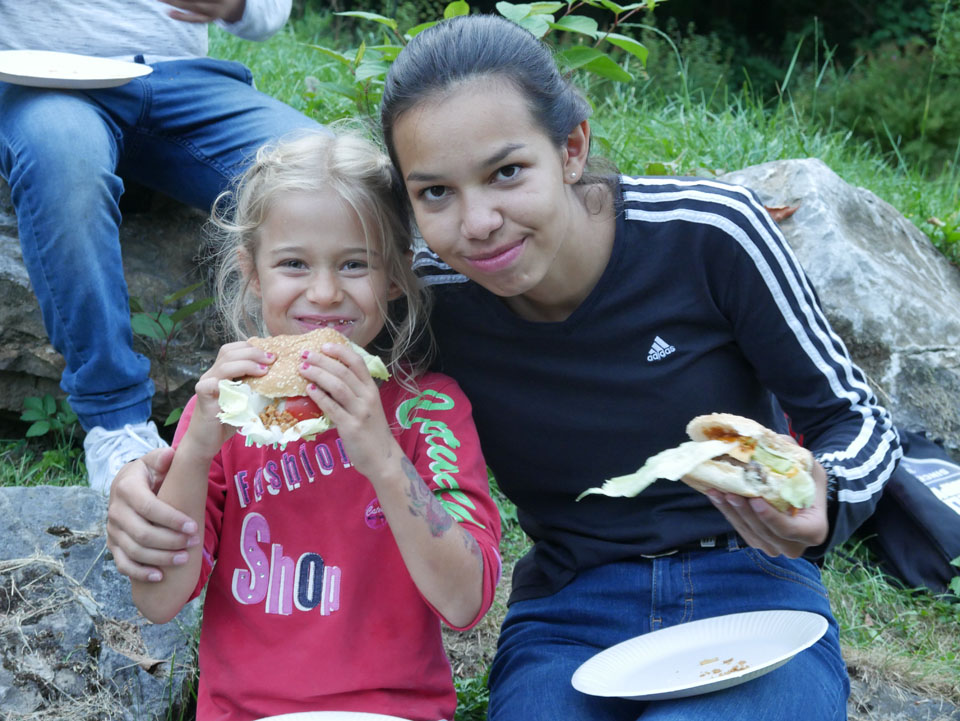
pixel 302 408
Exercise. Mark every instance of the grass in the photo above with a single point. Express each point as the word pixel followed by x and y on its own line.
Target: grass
pixel 906 636
pixel 39 463
pixel 645 130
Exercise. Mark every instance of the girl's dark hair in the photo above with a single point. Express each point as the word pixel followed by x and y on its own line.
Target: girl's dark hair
pixel 464 47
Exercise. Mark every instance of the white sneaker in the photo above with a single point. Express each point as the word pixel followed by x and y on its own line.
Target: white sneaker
pixel 106 452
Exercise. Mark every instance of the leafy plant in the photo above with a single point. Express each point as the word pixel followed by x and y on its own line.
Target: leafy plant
pixel 47 414
pixel 946 234
pixel 367 65
pixel 56 464
pixel 955 582
pixel 472 698
pixel 162 326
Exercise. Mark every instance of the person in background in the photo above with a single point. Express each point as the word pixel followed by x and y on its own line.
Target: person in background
pixel 185 130
pixel 328 563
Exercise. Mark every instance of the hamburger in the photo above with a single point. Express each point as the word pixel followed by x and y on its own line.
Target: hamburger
pixel 731 454
pixel 274 409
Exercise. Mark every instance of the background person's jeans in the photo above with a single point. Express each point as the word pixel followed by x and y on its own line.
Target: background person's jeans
pixel 186 130
pixel 544 640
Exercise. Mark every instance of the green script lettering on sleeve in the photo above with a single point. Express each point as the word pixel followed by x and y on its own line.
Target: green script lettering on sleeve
pixel 441 442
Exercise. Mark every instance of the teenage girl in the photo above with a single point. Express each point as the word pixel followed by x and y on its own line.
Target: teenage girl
pixel 328 564
pixel 589 317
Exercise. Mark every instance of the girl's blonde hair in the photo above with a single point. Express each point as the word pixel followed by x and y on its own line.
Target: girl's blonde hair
pixel 353 167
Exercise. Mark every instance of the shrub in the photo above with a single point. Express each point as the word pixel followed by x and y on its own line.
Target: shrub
pixel 897 98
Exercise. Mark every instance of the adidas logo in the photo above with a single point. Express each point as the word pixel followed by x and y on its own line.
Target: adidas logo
pixel 659 350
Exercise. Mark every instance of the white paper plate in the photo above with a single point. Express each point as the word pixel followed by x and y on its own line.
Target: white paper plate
pixel 700 656
pixel 48 69
pixel 332 716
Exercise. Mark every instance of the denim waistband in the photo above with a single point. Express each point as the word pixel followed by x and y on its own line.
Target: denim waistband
pixel 725 541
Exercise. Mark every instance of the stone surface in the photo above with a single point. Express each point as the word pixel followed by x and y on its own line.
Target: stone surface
pixel 886 702
pixel 887 291
pixel 72 645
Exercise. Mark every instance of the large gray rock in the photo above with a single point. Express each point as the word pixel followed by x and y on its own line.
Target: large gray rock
pixel 891 296
pixel 160 256
pixel 72 645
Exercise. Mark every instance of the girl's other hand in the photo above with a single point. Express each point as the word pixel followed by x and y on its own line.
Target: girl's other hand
pixel 350 398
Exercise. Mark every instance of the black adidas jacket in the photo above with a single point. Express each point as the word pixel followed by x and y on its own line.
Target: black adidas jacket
pixel 703 308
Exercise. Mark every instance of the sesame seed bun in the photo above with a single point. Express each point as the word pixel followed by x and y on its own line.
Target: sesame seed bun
pixel 283 380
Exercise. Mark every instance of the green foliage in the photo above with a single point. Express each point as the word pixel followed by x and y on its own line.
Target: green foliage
pixel 896 23
pixel 284 68
pixel 897 99
pixel 25 463
pixel 161 327
pixel 52 457
pixel 945 234
pixel 955 582
pixel 894 627
pixel 48 415
pixel 472 698
pixel 946 19
pixel 163 324
pixel 583 45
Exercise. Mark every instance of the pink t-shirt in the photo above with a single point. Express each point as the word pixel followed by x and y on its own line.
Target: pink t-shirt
pixel 309 605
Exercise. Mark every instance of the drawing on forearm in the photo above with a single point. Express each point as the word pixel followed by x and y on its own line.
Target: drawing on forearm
pixel 424 504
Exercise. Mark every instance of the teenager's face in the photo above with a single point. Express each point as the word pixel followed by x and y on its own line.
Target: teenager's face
pixel 313 269
pixel 491 193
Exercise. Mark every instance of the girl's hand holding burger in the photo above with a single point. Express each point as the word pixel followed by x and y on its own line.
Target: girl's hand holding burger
pixel 206 434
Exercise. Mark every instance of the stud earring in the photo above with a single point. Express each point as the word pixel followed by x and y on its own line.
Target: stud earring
pixel 573 175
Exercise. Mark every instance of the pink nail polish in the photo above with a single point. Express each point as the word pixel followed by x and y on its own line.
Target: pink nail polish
pixel 304 365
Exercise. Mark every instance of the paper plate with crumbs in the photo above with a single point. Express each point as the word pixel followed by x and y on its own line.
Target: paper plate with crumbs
pixel 699 656
pixel 49 69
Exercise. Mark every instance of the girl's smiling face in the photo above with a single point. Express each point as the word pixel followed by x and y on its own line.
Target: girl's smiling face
pixel 492 195
pixel 314 269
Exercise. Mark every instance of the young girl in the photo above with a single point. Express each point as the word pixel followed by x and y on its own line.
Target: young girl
pixel 327 563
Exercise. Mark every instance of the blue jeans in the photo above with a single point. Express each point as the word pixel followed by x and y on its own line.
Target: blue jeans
pixel 186 130
pixel 544 640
